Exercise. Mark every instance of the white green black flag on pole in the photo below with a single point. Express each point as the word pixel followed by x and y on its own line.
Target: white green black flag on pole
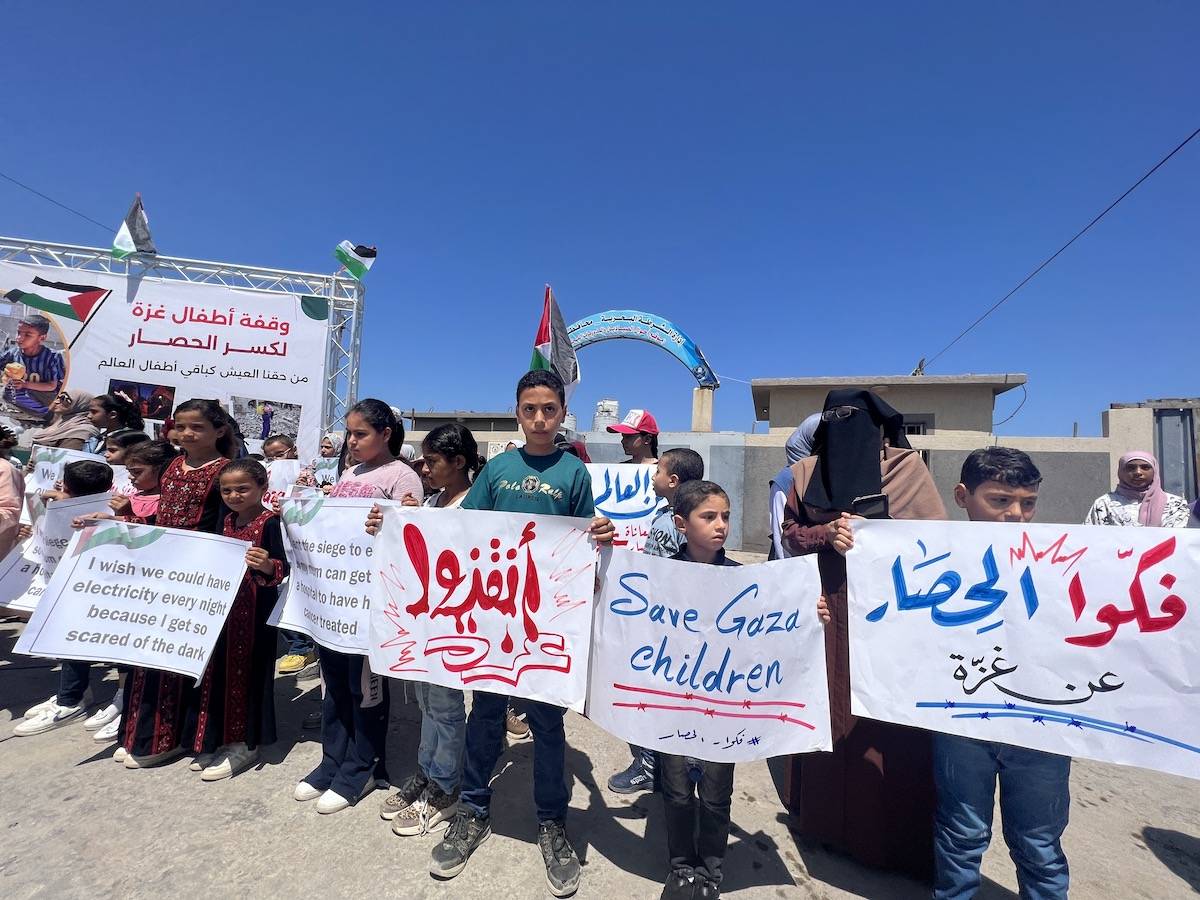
pixel 357 258
pixel 134 234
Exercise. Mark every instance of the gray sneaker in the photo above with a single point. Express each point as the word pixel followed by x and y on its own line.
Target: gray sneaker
pixel 432 809
pixel 562 865
pixel 408 793
pixel 466 832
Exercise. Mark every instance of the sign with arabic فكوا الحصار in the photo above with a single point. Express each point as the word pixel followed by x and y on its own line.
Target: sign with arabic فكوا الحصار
pixel 1078 640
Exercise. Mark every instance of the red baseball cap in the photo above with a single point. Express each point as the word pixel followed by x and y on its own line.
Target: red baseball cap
pixel 635 421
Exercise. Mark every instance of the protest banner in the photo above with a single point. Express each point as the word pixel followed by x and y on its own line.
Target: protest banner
pixel 28 566
pixel 625 493
pixel 488 601
pixel 719 663
pixel 48 464
pixel 1071 639
pixel 328 595
pixel 281 475
pixel 118 597
pixel 325 471
pixel 158 342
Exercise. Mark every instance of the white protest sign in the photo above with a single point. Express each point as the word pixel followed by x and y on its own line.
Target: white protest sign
pixel 324 471
pixel 719 663
pixel 138 595
pixel 28 566
pixel 488 601
pixel 122 486
pixel 1078 640
pixel 48 464
pixel 625 493
pixel 281 475
pixel 328 596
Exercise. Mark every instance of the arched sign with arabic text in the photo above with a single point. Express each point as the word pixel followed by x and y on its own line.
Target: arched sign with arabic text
pixel 630 324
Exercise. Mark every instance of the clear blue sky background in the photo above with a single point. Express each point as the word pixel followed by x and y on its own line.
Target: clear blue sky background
pixel 806 191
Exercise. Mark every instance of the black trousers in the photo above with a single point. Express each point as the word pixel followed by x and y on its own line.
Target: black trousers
pixel 697 815
pixel 353 736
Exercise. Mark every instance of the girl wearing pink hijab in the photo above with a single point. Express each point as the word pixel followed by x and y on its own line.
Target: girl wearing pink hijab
pixel 1139 498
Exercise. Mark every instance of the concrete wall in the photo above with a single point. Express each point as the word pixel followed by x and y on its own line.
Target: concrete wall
pixel 1070 482
pixel 965 407
pixel 1076 470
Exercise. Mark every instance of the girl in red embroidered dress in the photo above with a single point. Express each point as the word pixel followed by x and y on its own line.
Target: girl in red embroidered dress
pixel 236 712
pixel 159 715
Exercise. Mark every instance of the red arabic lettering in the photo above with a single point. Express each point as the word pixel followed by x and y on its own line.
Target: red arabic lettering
pixel 495 589
pixel 1173 607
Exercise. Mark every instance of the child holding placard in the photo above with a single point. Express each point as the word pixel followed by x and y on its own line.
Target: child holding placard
pixel 429 797
pixel 145 463
pixel 80 479
pixel 160 707
pixel 354 712
pixel 537 478
pixel 237 693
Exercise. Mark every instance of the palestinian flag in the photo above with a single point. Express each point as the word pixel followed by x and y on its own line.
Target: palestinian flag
pixel 357 258
pixel 75 302
pixel 552 348
pixel 134 233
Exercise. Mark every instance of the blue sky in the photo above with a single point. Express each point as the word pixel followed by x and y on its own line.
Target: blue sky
pixel 804 190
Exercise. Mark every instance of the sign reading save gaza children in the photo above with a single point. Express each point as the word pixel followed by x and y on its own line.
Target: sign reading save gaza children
pixel 719 663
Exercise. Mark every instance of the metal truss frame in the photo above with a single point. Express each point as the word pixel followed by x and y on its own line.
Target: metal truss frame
pixel 346 297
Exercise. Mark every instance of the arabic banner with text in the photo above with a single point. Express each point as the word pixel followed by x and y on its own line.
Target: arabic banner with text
pixel 28 566
pixel 138 595
pixel 159 342
pixel 719 663
pixel 625 493
pixel 1076 639
pixel 328 596
pixel 487 601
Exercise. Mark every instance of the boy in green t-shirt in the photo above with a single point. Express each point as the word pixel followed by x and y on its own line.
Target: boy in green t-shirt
pixel 536 478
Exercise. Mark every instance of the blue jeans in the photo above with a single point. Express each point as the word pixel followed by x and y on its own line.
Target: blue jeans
pixel 485 737
pixel 1034 803
pixel 443 734
pixel 297 643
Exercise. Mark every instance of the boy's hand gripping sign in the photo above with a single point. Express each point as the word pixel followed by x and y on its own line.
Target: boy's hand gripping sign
pixel 486 601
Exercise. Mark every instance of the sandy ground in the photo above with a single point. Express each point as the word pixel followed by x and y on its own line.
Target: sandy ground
pixel 77 825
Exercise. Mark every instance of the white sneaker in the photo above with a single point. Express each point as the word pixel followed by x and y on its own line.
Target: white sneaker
pixel 40 708
pixel 109 732
pixel 154 759
pixel 305 792
pixel 120 755
pixel 230 760
pixel 53 716
pixel 102 717
pixel 331 801
pixel 203 761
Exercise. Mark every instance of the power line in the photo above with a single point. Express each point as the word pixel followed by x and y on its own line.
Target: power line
pixel 995 306
pixel 107 228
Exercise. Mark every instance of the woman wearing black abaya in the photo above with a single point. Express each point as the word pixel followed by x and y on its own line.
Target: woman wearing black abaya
pixel 873 796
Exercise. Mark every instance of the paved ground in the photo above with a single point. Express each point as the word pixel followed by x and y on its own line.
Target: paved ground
pixel 74 824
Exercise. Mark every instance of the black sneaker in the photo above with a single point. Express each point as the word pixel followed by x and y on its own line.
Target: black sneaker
pixel 633 780
pixel 707 890
pixel 562 865
pixel 409 792
pixel 680 886
pixel 465 833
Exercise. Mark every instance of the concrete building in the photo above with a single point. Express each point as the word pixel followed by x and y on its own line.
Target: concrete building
pixel 947 416
pixel 608 412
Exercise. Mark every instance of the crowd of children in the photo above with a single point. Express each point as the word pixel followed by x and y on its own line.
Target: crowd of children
pixel 201 480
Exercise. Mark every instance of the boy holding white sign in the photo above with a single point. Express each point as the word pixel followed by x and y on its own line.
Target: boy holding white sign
pixel 536 478
pixel 999 484
pixel 82 478
pixel 675 468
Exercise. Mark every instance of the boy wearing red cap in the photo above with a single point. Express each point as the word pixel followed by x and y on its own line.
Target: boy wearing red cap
pixel 639 436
